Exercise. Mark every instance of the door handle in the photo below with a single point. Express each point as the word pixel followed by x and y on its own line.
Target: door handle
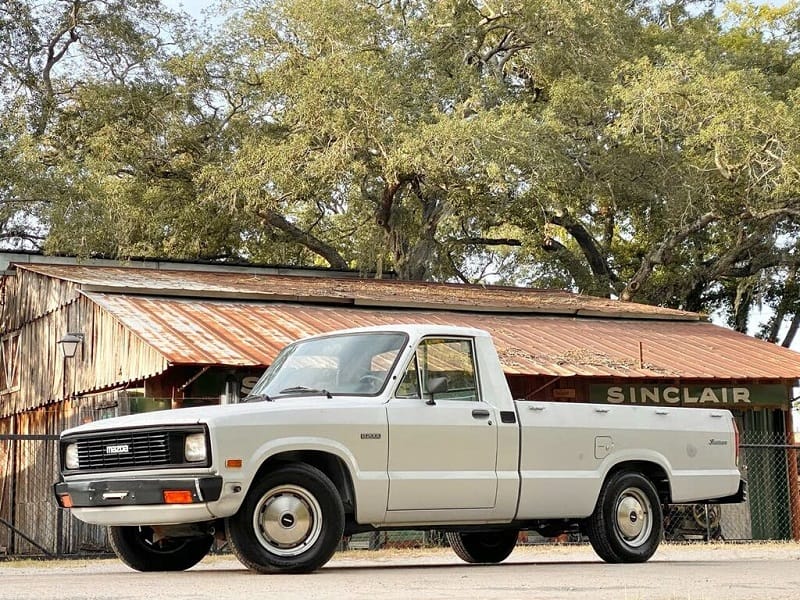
pixel 481 413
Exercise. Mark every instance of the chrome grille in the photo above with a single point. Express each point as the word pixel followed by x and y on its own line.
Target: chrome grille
pixel 124 449
pixel 131 449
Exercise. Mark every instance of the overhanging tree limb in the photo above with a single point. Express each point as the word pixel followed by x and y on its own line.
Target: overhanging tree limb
pixel 659 254
pixel 792 332
pixel 594 256
pixel 487 241
pixel 304 238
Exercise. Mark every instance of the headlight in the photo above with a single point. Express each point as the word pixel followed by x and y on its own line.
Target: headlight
pixel 71 457
pixel 194 447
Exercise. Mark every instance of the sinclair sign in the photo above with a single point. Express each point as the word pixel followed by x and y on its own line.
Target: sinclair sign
pixel 690 395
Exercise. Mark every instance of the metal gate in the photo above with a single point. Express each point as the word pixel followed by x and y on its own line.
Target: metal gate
pixel 31 524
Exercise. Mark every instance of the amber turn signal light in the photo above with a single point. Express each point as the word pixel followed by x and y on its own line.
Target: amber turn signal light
pixel 65 500
pixel 234 463
pixel 178 497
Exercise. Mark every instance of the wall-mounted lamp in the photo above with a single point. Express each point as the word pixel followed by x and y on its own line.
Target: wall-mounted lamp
pixel 69 344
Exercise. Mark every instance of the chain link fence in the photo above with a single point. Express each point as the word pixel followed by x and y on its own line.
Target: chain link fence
pixel 31 524
pixel 769 464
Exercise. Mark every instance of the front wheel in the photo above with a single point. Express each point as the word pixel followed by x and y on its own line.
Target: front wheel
pixel 627 524
pixel 291 521
pixel 483 546
pixel 140 549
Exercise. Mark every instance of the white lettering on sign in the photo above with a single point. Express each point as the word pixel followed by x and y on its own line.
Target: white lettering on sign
pixel 671 395
pixel 615 395
pixel 675 395
pixel 120 449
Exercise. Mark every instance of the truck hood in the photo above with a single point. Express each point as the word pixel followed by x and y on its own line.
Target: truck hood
pixel 227 413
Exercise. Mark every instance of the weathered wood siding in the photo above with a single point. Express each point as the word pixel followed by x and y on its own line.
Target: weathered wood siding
pixel 111 355
pixel 27 296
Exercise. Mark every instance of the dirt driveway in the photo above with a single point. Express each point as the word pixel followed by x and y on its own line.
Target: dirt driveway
pixel 696 572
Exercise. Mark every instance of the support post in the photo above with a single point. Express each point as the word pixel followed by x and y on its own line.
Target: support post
pixel 791 468
pixel 12 492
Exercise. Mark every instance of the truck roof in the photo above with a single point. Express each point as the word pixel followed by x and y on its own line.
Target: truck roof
pixel 414 330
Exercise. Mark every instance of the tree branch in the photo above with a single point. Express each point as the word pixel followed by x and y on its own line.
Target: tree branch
pixel 576 268
pixel 594 256
pixel 485 241
pixel 660 254
pixel 304 238
pixel 383 214
pixel 793 327
pixel 54 55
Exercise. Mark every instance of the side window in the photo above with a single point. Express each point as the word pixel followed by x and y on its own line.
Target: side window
pixel 409 385
pixel 452 359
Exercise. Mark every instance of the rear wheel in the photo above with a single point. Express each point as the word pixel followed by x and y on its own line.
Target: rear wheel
pixel 627 524
pixel 138 548
pixel 483 546
pixel 290 522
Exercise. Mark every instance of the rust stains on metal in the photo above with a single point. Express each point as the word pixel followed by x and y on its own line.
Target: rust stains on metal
pixel 202 331
pixel 348 291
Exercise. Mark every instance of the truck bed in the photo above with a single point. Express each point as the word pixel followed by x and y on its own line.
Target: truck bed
pixel 568 448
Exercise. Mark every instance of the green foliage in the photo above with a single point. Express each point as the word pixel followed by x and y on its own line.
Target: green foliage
pixel 647 150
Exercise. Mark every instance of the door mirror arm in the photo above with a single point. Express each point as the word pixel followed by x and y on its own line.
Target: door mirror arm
pixel 435 385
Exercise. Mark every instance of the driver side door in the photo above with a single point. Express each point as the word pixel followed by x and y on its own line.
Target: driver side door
pixel 442 447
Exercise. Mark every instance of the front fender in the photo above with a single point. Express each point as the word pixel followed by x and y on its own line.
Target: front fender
pixel 370 487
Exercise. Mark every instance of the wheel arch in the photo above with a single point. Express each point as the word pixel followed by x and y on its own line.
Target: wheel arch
pixel 330 464
pixel 655 472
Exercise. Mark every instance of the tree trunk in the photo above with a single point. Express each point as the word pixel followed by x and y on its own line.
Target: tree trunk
pixel 413 258
pixel 793 326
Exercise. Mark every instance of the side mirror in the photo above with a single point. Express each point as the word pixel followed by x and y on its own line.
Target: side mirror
pixel 435 385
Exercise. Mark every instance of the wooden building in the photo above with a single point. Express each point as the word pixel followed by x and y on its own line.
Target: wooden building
pixel 160 335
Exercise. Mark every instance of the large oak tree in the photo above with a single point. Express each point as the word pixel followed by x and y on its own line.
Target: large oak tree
pixel 640 149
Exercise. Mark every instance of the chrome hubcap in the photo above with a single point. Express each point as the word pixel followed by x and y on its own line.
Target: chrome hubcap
pixel 633 516
pixel 287 520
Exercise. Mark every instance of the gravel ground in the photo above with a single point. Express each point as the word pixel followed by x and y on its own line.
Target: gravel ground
pixel 691 572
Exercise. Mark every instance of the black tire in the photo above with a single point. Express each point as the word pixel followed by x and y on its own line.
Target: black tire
pixel 291 521
pixel 135 547
pixel 483 546
pixel 627 523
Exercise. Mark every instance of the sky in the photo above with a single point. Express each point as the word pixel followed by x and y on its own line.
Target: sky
pixel 193 7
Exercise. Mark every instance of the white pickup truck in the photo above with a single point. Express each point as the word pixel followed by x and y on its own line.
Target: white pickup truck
pixel 395 427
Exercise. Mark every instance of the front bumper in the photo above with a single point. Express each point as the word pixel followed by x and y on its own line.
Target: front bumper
pixel 136 492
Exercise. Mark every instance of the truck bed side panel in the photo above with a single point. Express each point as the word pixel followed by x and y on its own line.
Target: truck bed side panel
pixel 568 448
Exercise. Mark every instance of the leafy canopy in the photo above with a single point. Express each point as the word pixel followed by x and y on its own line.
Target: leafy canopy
pixel 646 150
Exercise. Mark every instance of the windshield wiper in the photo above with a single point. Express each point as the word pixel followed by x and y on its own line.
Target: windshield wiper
pixel 301 389
pixel 257 398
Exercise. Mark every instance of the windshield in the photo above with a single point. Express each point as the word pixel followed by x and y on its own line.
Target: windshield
pixel 353 364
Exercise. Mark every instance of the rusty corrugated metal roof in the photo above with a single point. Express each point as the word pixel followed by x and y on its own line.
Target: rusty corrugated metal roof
pixel 348 291
pixel 194 331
